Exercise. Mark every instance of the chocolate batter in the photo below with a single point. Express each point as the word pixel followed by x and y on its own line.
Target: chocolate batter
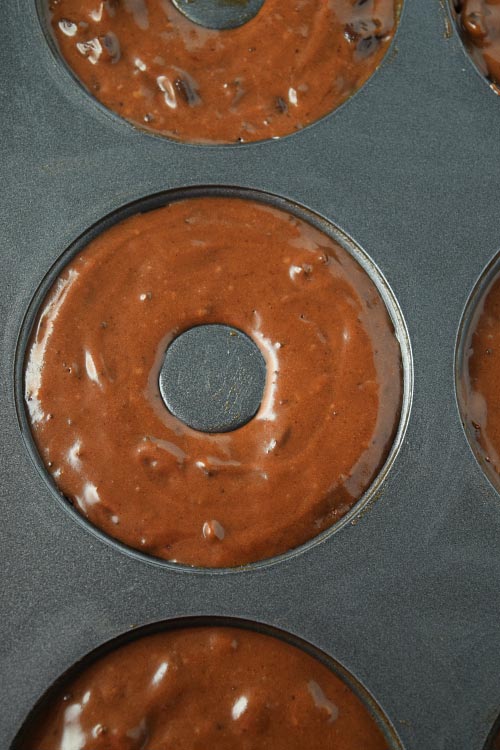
pixel 290 65
pixel 481 379
pixel 331 403
pixel 480 25
pixel 203 688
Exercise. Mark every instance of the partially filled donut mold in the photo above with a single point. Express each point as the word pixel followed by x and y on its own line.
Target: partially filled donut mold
pixel 112 445
pixel 478 25
pixel 286 67
pixel 202 682
pixel 476 367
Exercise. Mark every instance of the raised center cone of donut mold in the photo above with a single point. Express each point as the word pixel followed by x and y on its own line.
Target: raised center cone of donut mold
pixel 219 14
pixel 213 378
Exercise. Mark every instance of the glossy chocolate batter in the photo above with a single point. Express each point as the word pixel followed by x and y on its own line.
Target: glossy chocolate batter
pixel 481 379
pixel 331 403
pixel 290 65
pixel 480 25
pixel 202 688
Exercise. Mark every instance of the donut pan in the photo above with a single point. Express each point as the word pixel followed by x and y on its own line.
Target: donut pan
pixel 404 594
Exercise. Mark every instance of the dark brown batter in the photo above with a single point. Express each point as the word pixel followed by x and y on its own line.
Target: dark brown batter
pixel 480 25
pixel 496 742
pixel 290 65
pixel 481 380
pixel 329 412
pixel 204 688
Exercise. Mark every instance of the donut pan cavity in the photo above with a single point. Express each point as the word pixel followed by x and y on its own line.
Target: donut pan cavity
pixel 405 595
pixel 238 625
pixel 469 322
pixel 168 197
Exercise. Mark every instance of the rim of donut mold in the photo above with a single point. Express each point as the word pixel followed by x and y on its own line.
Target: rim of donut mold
pixel 369 702
pixel 42 19
pixel 150 203
pixel 470 315
pixel 493 734
pixel 451 11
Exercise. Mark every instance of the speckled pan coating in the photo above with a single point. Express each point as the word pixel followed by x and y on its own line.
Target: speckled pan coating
pixel 405 595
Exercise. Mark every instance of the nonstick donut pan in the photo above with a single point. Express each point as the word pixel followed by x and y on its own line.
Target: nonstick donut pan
pixel 402 596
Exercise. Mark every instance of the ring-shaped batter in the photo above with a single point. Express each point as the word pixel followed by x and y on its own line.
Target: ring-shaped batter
pixel 331 404
pixel 204 687
pixel 290 65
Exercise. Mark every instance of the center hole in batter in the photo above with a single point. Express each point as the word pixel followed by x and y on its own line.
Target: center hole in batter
pixel 213 378
pixel 219 14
